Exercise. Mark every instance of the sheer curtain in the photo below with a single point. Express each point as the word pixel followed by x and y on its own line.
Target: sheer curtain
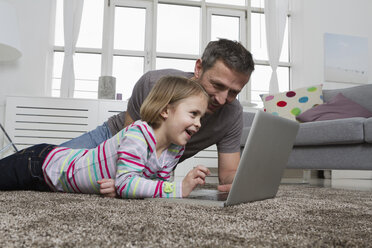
pixel 275 17
pixel 72 12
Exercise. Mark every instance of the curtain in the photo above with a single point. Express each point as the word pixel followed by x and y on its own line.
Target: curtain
pixel 72 12
pixel 275 17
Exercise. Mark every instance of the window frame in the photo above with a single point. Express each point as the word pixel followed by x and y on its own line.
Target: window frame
pixel 150 54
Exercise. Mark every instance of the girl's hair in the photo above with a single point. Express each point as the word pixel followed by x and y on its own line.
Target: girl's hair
pixel 168 90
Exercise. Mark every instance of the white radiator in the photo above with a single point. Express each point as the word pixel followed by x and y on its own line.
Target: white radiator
pixel 34 120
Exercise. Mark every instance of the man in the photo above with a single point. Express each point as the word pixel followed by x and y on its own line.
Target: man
pixel 223 70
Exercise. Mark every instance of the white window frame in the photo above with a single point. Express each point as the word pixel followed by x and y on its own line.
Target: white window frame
pixel 108 51
pixel 150 54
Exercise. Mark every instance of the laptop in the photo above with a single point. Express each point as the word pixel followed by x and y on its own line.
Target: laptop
pixel 261 166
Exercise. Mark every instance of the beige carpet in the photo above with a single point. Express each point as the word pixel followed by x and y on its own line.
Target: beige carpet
pixel 300 216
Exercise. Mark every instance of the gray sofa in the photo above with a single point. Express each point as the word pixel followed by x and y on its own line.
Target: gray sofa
pixel 332 144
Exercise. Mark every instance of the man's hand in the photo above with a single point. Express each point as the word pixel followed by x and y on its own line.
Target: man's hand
pixel 107 187
pixel 224 187
pixel 193 178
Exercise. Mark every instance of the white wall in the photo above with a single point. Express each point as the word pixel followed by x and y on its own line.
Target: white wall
pixel 311 19
pixel 28 75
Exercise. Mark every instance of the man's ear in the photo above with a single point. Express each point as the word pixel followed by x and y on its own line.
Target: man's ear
pixel 198 69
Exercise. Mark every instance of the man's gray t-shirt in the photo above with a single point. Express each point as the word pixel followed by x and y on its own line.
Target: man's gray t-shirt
pixel 223 127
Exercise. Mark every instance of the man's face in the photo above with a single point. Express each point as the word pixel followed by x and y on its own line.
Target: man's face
pixel 221 83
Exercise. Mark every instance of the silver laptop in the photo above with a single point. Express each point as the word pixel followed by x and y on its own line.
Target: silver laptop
pixel 261 166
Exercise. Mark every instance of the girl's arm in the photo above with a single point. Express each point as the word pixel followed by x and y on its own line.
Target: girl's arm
pixel 135 179
pixel 136 176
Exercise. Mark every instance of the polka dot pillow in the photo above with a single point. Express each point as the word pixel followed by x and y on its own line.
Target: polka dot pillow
pixel 292 103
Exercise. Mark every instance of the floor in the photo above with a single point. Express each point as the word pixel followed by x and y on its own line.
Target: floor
pixel 352 184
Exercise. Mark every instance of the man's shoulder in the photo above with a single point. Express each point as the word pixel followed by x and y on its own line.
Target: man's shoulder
pixel 155 75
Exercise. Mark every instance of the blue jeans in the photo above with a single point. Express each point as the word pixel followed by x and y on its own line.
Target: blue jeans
pixel 23 170
pixel 90 139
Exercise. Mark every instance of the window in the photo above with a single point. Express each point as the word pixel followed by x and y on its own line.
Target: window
pixel 260 79
pixel 125 38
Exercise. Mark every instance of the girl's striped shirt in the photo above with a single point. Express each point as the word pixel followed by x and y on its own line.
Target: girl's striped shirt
pixel 129 157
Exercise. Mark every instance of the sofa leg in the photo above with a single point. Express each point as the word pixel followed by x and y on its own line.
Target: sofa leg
pixel 306 176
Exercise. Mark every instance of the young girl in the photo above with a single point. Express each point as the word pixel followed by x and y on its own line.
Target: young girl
pixel 140 158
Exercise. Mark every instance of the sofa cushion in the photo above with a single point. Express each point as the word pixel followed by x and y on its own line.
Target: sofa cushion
pixel 368 130
pixel 360 94
pixel 289 104
pixel 341 131
pixel 339 107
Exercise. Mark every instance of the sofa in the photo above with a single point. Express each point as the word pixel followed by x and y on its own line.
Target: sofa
pixel 332 144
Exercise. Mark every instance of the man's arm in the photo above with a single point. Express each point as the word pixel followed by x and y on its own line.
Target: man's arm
pixel 227 166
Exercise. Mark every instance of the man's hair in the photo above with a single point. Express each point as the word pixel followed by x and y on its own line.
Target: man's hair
pixel 232 53
pixel 168 90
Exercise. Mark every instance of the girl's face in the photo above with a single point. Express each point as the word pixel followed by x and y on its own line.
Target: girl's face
pixel 182 119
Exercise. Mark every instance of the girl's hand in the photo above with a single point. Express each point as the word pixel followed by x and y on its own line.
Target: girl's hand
pixel 193 178
pixel 107 187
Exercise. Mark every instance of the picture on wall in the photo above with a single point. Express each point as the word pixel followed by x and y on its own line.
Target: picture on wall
pixel 345 58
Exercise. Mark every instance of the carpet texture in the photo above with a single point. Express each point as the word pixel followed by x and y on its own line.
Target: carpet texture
pixel 300 216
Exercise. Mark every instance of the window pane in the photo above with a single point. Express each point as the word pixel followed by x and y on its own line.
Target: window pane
pixel 178 29
pixel 284 56
pixel 90 34
pixel 57 73
pixel 225 27
pixel 258 3
pixel 259 40
pixel 260 82
pixel 129 28
pixel 86 89
pixel 87 66
pixel 258 37
pixel 58 34
pixel 87 71
pixel 56 87
pixel 283 78
pixel 127 71
pixel 180 64
pixel 231 2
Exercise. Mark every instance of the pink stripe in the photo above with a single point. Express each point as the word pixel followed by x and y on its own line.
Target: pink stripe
pixel 156 189
pixel 45 174
pixel 146 140
pixel 153 140
pixel 73 176
pixel 165 172
pixel 149 170
pixel 178 156
pixel 130 155
pixel 121 190
pixel 166 177
pixel 99 161
pixel 144 173
pixel 105 158
pixel 68 171
pixel 161 189
pixel 133 162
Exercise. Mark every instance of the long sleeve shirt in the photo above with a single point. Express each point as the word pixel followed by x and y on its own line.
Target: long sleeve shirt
pixel 129 157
